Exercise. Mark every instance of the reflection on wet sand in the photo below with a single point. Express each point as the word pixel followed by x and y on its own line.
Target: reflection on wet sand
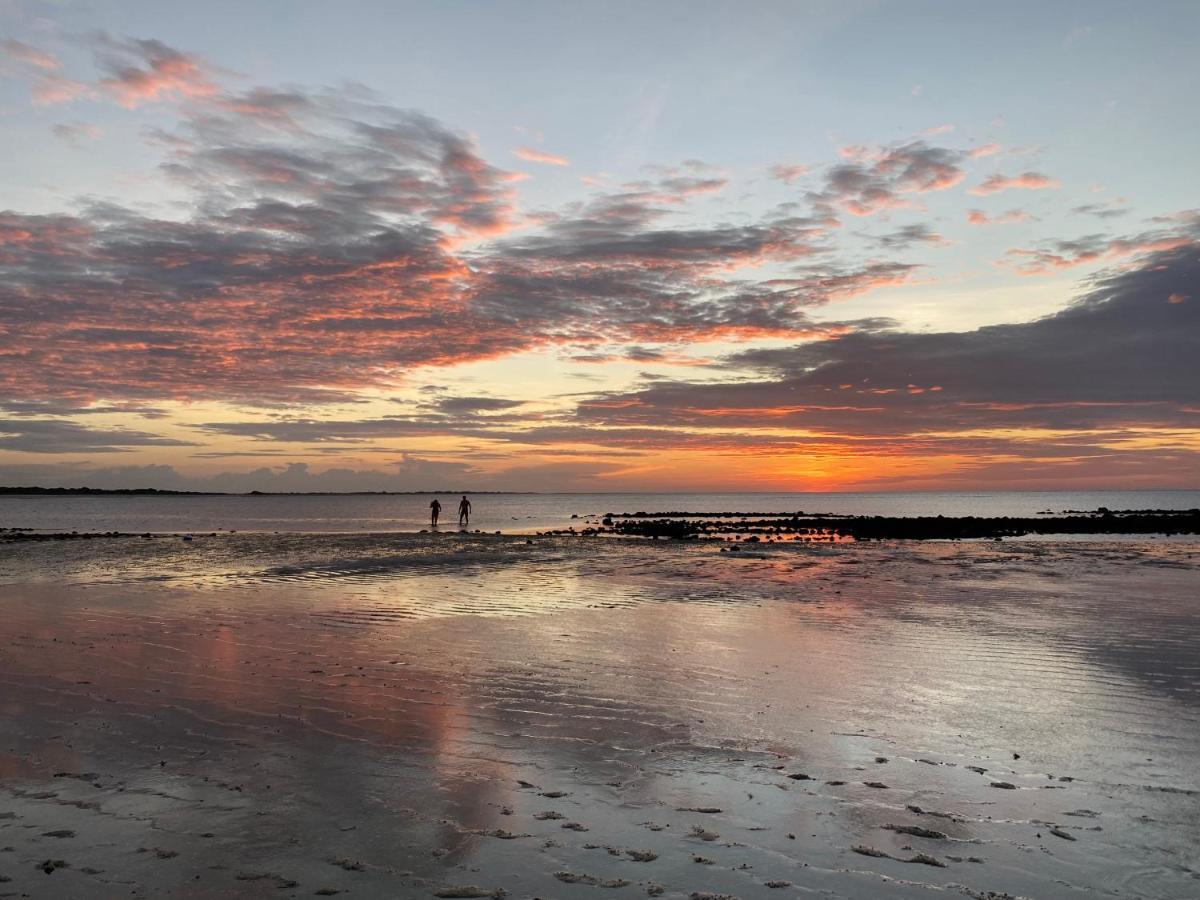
pixel 544 719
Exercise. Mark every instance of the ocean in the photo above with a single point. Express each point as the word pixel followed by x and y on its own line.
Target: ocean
pixel 521 513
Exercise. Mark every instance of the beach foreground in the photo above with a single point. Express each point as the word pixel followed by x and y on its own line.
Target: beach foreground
pixel 461 716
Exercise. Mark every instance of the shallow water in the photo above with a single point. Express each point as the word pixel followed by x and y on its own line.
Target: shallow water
pixel 391 716
pixel 522 512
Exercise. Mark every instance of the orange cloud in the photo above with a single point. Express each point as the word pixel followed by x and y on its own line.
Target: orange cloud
pixel 531 154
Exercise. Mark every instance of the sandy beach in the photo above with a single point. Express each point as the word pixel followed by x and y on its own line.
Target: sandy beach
pixel 471 716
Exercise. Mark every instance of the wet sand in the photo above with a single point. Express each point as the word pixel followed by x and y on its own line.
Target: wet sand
pixel 462 716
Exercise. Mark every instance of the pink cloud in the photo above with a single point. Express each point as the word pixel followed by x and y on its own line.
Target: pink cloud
pixel 1068 254
pixel 979 217
pixel 143 71
pixel 984 150
pixel 52 89
pixel 1177 298
pixel 531 154
pixel 30 56
pixel 1030 181
pixel 76 134
pixel 788 172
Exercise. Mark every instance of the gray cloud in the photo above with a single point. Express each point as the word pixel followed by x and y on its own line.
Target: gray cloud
pixel 1123 355
pixel 64 436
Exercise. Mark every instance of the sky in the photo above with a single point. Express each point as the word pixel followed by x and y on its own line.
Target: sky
pixel 611 246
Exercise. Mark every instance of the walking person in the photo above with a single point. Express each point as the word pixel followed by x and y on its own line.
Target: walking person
pixel 434 508
pixel 464 512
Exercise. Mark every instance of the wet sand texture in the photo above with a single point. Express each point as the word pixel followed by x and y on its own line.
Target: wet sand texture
pixel 372 717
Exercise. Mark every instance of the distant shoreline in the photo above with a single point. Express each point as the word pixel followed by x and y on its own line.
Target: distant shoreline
pixel 35 491
pixel 157 492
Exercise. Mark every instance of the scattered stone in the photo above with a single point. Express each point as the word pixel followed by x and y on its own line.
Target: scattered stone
pixel 800 776
pixel 462 891
pixel 574 826
pixel 280 882
pixel 703 860
pixel 922 858
pixel 59 833
pixel 1004 785
pixel 926 860
pixel 547 815
pixel 876 784
pixel 864 850
pixel 777 884
pixel 576 878
pixel 350 865
pixel 554 795
pixel 699 831
pixel 159 852
pixel 921 811
pixel 701 809
pixel 917 831
pixel 1058 832
pixel 641 855
pixel 49 865
pixel 978 770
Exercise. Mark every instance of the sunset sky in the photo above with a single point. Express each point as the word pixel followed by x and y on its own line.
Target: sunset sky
pixel 609 246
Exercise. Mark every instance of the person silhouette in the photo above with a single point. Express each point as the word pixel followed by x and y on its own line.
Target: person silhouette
pixel 434 508
pixel 464 512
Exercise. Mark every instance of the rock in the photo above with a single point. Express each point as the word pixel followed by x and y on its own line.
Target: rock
pixel 925 860
pixel 917 831
pixel 574 878
pixel 864 850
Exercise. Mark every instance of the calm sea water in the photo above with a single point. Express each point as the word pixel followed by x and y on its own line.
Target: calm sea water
pixel 522 512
